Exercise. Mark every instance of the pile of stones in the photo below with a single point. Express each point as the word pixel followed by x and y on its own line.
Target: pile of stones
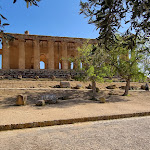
pixel 90 87
pixel 47 99
pixel 111 87
pixel 78 86
pixel 145 87
pixel 130 88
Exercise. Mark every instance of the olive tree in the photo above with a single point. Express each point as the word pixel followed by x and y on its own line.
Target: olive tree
pixel 94 64
pixel 125 58
pixel 111 15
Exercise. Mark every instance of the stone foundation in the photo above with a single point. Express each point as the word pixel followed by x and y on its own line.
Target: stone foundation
pixel 31 73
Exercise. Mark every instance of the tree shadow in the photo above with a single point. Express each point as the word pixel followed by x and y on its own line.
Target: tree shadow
pixel 116 98
pixel 73 97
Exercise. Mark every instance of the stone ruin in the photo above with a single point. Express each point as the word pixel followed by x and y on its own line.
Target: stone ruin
pixel 24 52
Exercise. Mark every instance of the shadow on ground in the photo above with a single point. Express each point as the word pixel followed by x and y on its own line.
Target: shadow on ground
pixel 74 97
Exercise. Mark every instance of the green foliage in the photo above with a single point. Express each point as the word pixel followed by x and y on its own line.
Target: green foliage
pixel 122 59
pixel 109 16
pixel 2 25
pixel 125 58
pixel 2 18
pixel 108 80
pixel 95 67
pixel 34 2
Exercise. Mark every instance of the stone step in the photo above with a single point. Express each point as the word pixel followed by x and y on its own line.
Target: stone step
pixel 13 73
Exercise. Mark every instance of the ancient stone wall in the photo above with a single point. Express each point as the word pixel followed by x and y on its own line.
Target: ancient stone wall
pixel 31 73
pixel 26 51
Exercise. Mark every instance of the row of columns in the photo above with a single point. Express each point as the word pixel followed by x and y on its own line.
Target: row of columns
pixel 6 53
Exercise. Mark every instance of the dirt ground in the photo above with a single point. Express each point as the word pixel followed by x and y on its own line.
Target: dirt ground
pixel 50 84
pixel 77 105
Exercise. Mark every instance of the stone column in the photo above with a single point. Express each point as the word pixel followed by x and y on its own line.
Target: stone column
pixel 51 55
pixel 77 45
pixel 5 55
pixel 36 54
pixel 64 56
pixel 21 54
pixel 76 64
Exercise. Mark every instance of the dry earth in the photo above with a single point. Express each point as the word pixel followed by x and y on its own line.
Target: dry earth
pixel 77 105
pixel 49 84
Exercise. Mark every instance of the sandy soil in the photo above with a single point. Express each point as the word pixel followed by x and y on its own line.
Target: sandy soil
pixel 77 105
pixel 50 84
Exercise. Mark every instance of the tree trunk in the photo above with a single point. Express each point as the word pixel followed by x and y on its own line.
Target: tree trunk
pixel 127 87
pixel 94 88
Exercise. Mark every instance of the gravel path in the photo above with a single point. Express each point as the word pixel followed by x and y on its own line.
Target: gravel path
pixel 123 134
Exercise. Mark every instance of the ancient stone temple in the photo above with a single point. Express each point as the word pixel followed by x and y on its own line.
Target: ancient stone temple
pixel 25 51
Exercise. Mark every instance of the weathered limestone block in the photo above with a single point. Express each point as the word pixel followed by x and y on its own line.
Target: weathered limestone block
pixel 21 100
pixel 111 87
pixel 112 93
pixel 19 77
pixel 40 103
pixel 56 86
pixel 36 77
pixel 53 77
pixel 52 101
pixel 143 87
pixel 1 77
pixel 26 32
pixel 64 84
pixel 146 87
pixel 68 77
pixel 122 87
pixel 78 86
pixel 102 99
pixel 64 97
pixel 49 99
pixel 133 88
pixel 130 88
pixel 89 86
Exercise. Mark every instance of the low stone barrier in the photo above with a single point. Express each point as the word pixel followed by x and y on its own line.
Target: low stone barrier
pixel 69 121
pixel 32 73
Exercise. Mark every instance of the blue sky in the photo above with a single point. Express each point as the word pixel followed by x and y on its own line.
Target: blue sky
pixel 54 18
